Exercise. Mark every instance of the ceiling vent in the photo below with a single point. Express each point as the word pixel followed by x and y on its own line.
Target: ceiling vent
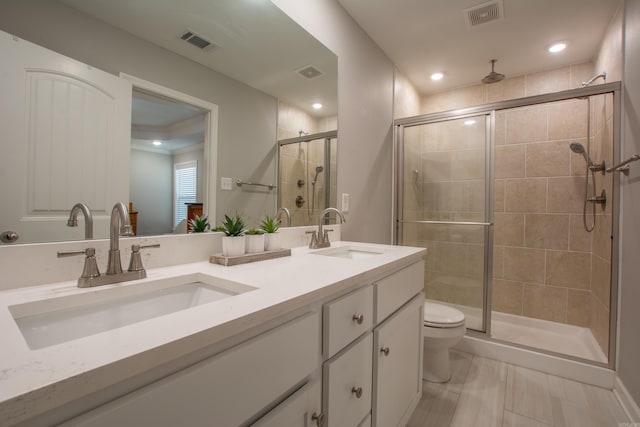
pixel 309 72
pixel 483 13
pixel 198 41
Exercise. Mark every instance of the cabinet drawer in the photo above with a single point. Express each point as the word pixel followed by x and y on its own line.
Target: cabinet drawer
pixel 345 378
pixel 395 290
pixel 224 390
pixel 296 410
pixel 346 318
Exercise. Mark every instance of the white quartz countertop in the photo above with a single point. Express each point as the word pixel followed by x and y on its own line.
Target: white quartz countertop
pixel 35 381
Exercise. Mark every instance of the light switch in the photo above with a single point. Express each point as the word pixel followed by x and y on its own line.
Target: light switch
pixel 345 202
pixel 225 183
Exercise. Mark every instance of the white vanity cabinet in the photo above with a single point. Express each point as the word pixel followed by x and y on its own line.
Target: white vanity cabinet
pixel 301 409
pixel 225 390
pixel 373 369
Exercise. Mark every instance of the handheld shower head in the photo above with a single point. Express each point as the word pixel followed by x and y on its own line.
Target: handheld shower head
pixel 578 148
pixel 319 169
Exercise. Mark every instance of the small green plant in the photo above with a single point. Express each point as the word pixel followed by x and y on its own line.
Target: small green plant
pixel 199 224
pixel 218 228
pixel 233 226
pixel 254 231
pixel 269 225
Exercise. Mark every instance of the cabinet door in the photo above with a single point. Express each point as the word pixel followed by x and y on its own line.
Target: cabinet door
pixel 398 288
pixel 301 409
pixel 398 365
pixel 347 384
pixel 225 390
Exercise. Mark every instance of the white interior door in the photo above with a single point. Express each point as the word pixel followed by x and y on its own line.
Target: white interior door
pixel 64 139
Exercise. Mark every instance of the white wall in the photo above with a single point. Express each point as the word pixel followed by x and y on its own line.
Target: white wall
pixel 629 345
pixel 247 117
pixel 365 113
pixel 150 191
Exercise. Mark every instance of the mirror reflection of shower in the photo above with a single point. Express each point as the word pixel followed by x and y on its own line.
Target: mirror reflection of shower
pixel 310 209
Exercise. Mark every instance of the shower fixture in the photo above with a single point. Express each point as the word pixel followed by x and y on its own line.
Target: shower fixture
pixel 493 77
pixel 578 148
pixel 319 169
pixel 602 75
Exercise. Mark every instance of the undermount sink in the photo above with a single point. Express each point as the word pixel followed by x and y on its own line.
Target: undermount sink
pixel 56 320
pixel 350 252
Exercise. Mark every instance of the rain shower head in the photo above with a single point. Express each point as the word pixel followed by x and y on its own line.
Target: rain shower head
pixel 493 77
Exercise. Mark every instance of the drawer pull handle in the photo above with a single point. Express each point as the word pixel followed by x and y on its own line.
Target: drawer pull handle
pixel 357 391
pixel 358 318
pixel 318 418
pixel 385 351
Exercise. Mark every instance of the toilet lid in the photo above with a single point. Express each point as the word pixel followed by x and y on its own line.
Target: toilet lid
pixel 442 316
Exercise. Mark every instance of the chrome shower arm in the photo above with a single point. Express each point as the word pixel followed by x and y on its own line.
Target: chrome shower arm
pixel 623 166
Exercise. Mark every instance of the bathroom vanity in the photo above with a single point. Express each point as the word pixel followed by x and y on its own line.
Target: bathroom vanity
pixel 324 337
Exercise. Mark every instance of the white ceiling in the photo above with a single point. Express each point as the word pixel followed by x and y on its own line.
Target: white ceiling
pixel 425 36
pixel 258 44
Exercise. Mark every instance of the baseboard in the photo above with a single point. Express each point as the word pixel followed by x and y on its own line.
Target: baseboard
pixel 570 369
pixel 626 400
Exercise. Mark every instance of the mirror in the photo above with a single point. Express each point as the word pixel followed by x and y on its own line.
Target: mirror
pixel 259 64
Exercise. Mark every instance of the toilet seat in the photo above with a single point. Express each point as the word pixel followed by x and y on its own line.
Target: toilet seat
pixel 442 316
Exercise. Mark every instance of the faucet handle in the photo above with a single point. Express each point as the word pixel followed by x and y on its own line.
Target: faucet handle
pixel 314 239
pixel 90 268
pixel 135 263
pixel 325 237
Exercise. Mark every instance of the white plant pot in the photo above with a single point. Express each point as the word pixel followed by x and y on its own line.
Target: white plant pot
pixel 233 245
pixel 254 243
pixel 272 241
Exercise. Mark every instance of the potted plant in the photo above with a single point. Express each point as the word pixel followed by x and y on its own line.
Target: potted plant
pixel 233 240
pixel 199 224
pixel 272 240
pixel 254 239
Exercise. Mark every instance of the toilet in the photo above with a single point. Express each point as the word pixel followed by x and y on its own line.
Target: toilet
pixel 443 328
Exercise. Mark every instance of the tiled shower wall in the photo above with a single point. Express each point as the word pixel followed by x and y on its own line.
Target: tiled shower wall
pixel 298 162
pixel 545 265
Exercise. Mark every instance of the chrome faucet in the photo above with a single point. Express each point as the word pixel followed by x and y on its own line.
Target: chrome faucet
pixel 120 225
pixel 320 238
pixel 88 219
pixel 286 213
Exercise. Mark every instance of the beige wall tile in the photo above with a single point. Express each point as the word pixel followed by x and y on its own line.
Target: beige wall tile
pixel 547 81
pixel 548 159
pixel 498 195
pixel 601 280
pixel 435 167
pixel 579 308
pixel 581 73
pixel 565 195
pixel 469 96
pixel 468 164
pixel 546 231
pixel 545 302
pixel 579 238
pixel 501 128
pixel 497 269
pixel 524 265
pixel 506 296
pixel 526 124
pixel 525 195
pixel 437 102
pixel 450 257
pixel 508 229
pixel 602 236
pixel 569 269
pixel 510 161
pixel 509 88
pixel 600 325
pixel 568 119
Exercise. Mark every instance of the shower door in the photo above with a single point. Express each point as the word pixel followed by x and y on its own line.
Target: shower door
pixel 443 203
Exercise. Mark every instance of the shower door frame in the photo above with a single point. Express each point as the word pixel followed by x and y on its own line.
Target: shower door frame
pixel 490 109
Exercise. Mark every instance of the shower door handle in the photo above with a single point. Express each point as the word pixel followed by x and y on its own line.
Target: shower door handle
pixel 485 224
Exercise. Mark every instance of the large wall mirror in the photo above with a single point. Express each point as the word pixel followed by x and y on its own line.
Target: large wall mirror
pixel 261 72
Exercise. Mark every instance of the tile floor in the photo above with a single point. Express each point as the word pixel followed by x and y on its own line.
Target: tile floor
pixel 484 392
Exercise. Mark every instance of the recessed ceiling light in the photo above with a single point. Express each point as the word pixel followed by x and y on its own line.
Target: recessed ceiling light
pixel 557 47
pixel 469 122
pixel 317 106
pixel 437 76
pixel 156 142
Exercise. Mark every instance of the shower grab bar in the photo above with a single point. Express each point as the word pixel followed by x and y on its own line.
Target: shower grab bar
pixel 240 183
pixel 446 222
pixel 624 166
